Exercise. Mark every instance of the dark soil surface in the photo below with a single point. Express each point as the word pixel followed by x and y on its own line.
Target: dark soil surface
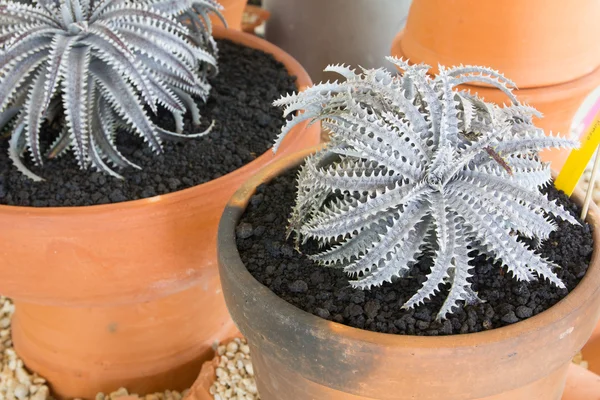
pixel 246 125
pixel 325 292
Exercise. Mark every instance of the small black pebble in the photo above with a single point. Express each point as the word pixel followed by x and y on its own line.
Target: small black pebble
pixel 510 317
pixel 244 231
pixel 371 308
pixel 323 313
pixel 270 270
pixel 523 312
pixel 257 199
pixel 446 327
pixel 298 286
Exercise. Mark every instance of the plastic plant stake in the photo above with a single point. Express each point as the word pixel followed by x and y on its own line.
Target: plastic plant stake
pixel 590 189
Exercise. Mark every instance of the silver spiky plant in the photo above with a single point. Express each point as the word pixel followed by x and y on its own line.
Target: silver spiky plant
pixel 415 165
pixel 195 14
pixel 104 63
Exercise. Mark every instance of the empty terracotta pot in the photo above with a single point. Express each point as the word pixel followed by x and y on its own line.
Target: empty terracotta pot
pixel 233 12
pixel 126 294
pixel 534 42
pixel 307 358
pixel 547 48
pixel 558 103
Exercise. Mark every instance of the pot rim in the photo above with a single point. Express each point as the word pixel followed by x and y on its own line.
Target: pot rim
pixel 513 37
pixel 551 92
pixel 229 258
pixel 293 67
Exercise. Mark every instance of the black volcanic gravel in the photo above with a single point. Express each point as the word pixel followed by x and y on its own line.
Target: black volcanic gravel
pixel 246 124
pixel 325 292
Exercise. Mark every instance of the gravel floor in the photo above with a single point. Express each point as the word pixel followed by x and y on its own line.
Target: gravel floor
pixel 122 392
pixel 235 374
pixel 16 383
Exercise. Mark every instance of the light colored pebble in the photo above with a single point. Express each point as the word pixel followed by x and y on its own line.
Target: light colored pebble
pixel 235 374
pixel 578 359
pixel 43 393
pixel 122 393
pixel 16 383
pixel 232 347
pixel 21 391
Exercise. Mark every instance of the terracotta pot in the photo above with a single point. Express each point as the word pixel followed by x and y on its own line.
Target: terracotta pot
pixel 308 358
pixel 581 384
pixel 534 42
pixel 201 388
pixel 254 16
pixel 126 294
pixel 233 13
pixel 559 103
pixel 591 351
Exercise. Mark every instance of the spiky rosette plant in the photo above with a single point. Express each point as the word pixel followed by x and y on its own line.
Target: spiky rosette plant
pixel 105 63
pixel 416 166
pixel 195 14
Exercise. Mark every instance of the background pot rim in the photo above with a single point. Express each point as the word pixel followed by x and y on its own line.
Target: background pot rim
pixel 508 40
pixel 293 67
pixel 557 91
pixel 229 259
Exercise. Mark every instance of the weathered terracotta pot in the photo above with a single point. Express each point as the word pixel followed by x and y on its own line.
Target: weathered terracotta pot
pixel 126 294
pixel 233 13
pixel 581 383
pixel 553 72
pixel 535 42
pixel 308 358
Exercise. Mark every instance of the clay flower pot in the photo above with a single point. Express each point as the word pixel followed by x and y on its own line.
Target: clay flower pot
pixel 233 13
pixel 535 43
pixel 581 384
pixel 306 357
pixel 126 294
pixel 548 49
pixel 200 390
pixel 254 16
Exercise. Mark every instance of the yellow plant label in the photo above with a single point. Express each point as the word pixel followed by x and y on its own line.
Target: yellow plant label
pixel 578 159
